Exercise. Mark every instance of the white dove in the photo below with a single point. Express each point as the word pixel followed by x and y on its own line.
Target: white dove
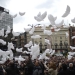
pixel 8 31
pixel 67 34
pixel 32 30
pixel 29 44
pixel 67 12
pixel 47 41
pixel 73 37
pixel 2 42
pixel 21 13
pixel 47 32
pixel 35 36
pixel 19 49
pixel 40 17
pixel 14 16
pixel 72 47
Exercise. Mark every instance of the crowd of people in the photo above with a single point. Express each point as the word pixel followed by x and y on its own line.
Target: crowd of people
pixel 56 65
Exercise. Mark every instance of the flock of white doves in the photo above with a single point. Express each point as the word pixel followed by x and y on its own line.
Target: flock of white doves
pixel 34 50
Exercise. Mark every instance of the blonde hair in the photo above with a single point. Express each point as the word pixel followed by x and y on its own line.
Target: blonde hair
pixel 53 65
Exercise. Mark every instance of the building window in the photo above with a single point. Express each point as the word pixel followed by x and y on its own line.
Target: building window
pixel 61 44
pixel 60 37
pixel 55 40
pixel 65 37
pixel 22 36
pixel 41 40
pixel 36 42
pixel 56 45
pixel 55 37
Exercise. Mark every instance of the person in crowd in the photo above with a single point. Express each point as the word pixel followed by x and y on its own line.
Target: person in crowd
pixel 53 66
pixel 29 67
pixel 41 63
pixel 7 68
pixel 37 68
pixel 71 69
pixel 1 70
pixel 64 70
pixel 46 68
pixel 52 69
pixel 22 69
pixel 59 67
pixel 13 68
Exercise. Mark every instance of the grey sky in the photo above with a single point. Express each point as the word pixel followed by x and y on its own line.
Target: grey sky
pixel 4 3
pixel 32 8
pixel 47 4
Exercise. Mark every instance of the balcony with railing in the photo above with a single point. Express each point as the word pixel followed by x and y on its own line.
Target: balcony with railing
pixel 59 47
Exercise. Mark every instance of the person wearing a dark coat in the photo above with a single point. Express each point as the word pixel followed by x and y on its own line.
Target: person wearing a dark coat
pixel 7 69
pixel 1 70
pixel 29 67
pixel 12 69
pixel 37 69
pixel 59 67
pixel 64 70
pixel 21 69
pixel 71 69
pixel 42 67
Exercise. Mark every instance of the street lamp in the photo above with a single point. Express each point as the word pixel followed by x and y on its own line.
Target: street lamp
pixel 56 45
pixel 45 45
pixel 40 45
pixel 66 47
pixel 61 44
pixel 25 37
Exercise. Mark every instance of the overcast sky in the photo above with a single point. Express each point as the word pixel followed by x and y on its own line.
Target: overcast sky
pixel 33 7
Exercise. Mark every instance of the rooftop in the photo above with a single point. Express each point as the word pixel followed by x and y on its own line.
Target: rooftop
pixel 4 9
